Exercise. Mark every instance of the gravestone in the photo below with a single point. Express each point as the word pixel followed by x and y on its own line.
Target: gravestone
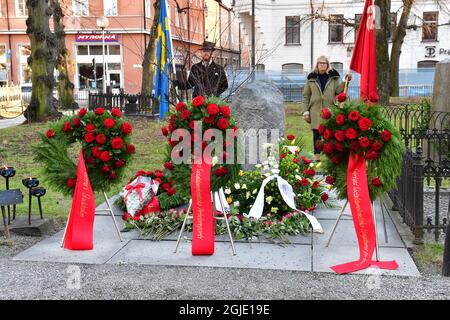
pixel 258 106
pixel 440 105
pixel 441 87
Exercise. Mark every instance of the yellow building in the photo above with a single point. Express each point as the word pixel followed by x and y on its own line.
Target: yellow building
pixel 222 28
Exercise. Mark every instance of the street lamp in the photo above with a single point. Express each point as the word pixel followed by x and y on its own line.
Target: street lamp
pixel 103 23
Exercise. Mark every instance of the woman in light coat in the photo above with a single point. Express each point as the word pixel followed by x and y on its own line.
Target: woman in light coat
pixel 321 88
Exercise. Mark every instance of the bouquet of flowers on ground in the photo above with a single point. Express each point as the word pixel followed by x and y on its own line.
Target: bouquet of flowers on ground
pixel 166 195
pixel 290 163
pixel 138 193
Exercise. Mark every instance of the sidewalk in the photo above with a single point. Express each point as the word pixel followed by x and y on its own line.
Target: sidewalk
pixel 305 253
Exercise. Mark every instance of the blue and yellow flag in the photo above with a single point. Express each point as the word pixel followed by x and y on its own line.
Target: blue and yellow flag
pixel 163 59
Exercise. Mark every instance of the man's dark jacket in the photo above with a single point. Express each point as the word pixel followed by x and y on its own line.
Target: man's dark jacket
pixel 206 81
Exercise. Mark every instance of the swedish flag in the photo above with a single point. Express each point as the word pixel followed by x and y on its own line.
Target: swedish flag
pixel 163 59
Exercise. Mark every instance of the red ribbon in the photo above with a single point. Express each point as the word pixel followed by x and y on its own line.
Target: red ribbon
pixel 360 204
pixel 80 227
pixel 203 222
pixel 136 187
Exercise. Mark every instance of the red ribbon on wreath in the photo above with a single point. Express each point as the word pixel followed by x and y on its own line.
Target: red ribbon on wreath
pixel 203 219
pixel 359 199
pixel 130 189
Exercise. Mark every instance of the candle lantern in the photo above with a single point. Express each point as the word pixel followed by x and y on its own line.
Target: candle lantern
pixel 7 173
pixel 30 183
pixel 39 192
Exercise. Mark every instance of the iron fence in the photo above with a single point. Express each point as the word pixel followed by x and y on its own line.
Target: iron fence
pixel 130 104
pixel 426 165
pixel 294 93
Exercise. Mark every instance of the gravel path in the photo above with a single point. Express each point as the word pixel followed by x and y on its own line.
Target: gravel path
pixel 429 206
pixel 35 280
pixel 48 281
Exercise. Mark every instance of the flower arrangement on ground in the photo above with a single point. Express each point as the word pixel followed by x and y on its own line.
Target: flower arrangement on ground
pixel 291 164
pixel 105 139
pixel 278 221
pixel 361 129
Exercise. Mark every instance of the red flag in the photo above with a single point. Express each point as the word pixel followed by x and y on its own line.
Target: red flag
pixel 80 227
pixel 364 54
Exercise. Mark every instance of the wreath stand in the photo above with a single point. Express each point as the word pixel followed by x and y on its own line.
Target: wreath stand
pixel 383 208
pixel 110 210
pixel 189 215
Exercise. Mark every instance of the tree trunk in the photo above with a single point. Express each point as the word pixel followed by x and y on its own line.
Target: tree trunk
pixel 65 86
pixel 42 60
pixel 148 65
pixel 382 47
pixel 397 42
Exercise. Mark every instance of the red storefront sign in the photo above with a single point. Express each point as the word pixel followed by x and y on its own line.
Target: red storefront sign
pixel 96 38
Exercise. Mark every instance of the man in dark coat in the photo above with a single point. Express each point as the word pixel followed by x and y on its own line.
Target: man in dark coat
pixel 206 77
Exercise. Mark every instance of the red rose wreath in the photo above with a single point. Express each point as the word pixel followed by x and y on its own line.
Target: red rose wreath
pixel 105 139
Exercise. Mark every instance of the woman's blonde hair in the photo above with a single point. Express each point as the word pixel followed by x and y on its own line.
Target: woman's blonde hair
pixel 322 58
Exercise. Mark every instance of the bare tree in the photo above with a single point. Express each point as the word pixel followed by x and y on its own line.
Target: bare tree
pixel 44 50
pixel 65 86
pixel 148 63
pixel 387 68
pixel 397 42
pixel 382 52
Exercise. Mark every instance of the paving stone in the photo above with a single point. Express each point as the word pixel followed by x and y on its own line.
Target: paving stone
pixel 324 258
pixel 106 244
pixel 257 256
pixel 345 235
pixel 38 227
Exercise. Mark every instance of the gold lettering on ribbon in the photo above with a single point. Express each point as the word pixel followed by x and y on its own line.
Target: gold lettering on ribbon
pixel 199 222
pixel 359 214
pixel 84 197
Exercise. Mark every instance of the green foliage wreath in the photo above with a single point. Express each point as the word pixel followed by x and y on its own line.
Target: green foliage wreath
pixel 356 127
pixel 105 139
pixel 212 113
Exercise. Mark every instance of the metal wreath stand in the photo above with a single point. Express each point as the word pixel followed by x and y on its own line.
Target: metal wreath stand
pixel 225 211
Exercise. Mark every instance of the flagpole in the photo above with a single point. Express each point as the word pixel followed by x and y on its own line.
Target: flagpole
pixel 171 49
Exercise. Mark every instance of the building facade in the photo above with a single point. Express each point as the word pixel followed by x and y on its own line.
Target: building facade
pixel 126 38
pixel 222 28
pixel 287 39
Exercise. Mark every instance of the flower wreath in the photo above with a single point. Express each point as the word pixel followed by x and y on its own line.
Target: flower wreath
pixel 105 141
pixel 354 126
pixel 213 113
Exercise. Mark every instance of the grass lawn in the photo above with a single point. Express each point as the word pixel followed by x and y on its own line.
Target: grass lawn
pixel 150 147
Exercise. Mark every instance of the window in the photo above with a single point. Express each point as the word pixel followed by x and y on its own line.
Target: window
pixel 260 67
pixel 357 21
pixel 292 67
pixel 393 27
pixel 339 66
pixel 3 68
pixel 80 8
pixel 293 30
pixel 148 8
pixel 177 19
pixel 96 50
pixel 83 50
pixel 336 29
pixel 110 7
pixel 21 8
pixel 185 22
pixel 2 51
pixel 114 50
pixel 429 28
pixel 24 68
pixel 426 64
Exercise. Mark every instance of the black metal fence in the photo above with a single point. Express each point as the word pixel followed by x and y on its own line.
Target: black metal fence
pixel 420 197
pixel 130 104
